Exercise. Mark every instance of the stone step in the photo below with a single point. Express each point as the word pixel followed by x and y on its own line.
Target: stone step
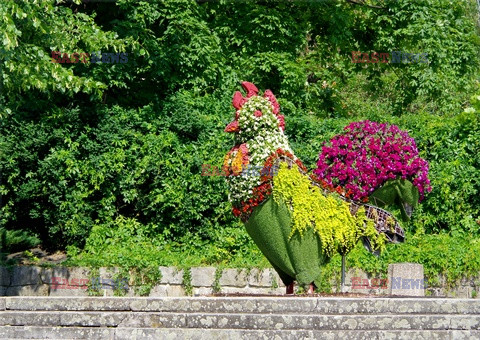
pixel 240 321
pixel 238 318
pixel 283 305
pixel 36 332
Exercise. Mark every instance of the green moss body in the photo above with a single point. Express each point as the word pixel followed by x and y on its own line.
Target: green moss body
pixel 294 257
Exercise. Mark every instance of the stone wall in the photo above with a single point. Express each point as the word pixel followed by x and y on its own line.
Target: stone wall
pixel 79 281
pixel 364 283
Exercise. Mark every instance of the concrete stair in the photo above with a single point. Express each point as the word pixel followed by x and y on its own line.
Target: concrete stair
pixel 238 318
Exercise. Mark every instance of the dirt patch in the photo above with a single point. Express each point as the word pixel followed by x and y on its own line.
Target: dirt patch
pixel 36 256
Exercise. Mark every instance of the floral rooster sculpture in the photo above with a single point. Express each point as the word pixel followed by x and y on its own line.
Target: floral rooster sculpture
pixel 299 221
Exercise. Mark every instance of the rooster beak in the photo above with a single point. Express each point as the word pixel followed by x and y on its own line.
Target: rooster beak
pixel 232 127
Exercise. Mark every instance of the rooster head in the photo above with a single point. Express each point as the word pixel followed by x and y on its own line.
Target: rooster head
pixel 255 113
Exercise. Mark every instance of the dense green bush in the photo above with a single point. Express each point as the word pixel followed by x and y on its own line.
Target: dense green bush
pixel 63 181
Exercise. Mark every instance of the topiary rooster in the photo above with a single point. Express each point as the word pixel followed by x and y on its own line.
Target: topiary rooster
pixel 298 221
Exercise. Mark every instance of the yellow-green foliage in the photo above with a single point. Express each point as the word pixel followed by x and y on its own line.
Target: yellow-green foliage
pixel 328 215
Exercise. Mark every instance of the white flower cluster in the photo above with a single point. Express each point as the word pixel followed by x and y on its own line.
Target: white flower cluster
pixel 263 136
pixel 250 125
pixel 241 187
pixel 262 147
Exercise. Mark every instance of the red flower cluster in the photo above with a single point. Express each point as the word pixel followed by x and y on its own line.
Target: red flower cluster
pixel 232 127
pixel 338 189
pixel 276 108
pixel 300 165
pixel 271 97
pixel 281 152
pixel 260 193
pixel 250 88
pixel 238 99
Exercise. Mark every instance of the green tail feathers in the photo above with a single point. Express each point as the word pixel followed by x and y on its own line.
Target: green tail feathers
pixel 398 193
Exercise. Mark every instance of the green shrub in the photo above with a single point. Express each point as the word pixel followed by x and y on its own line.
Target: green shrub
pixel 16 240
pixel 61 182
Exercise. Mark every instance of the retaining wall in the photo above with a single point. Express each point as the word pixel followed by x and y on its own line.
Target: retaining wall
pixel 80 281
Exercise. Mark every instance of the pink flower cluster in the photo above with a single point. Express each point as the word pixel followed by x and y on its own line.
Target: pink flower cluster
pixel 367 155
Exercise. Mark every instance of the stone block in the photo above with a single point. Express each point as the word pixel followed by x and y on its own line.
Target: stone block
pixel 175 290
pixel 152 320
pixel 352 276
pixel 212 333
pixel 68 292
pixel 460 292
pixel 436 292
pixel 236 290
pixel 171 275
pixel 28 290
pixel 234 278
pixel 254 290
pixel 361 283
pixel 467 281
pixel 4 277
pixel 108 273
pixel 158 291
pixel 65 281
pixel 266 278
pixel 259 278
pixel 406 279
pixel 201 291
pixel 107 292
pixel 277 291
pixel 130 292
pixel 25 275
pixel 69 273
pixel 203 276
pixel 39 332
pixel 47 274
